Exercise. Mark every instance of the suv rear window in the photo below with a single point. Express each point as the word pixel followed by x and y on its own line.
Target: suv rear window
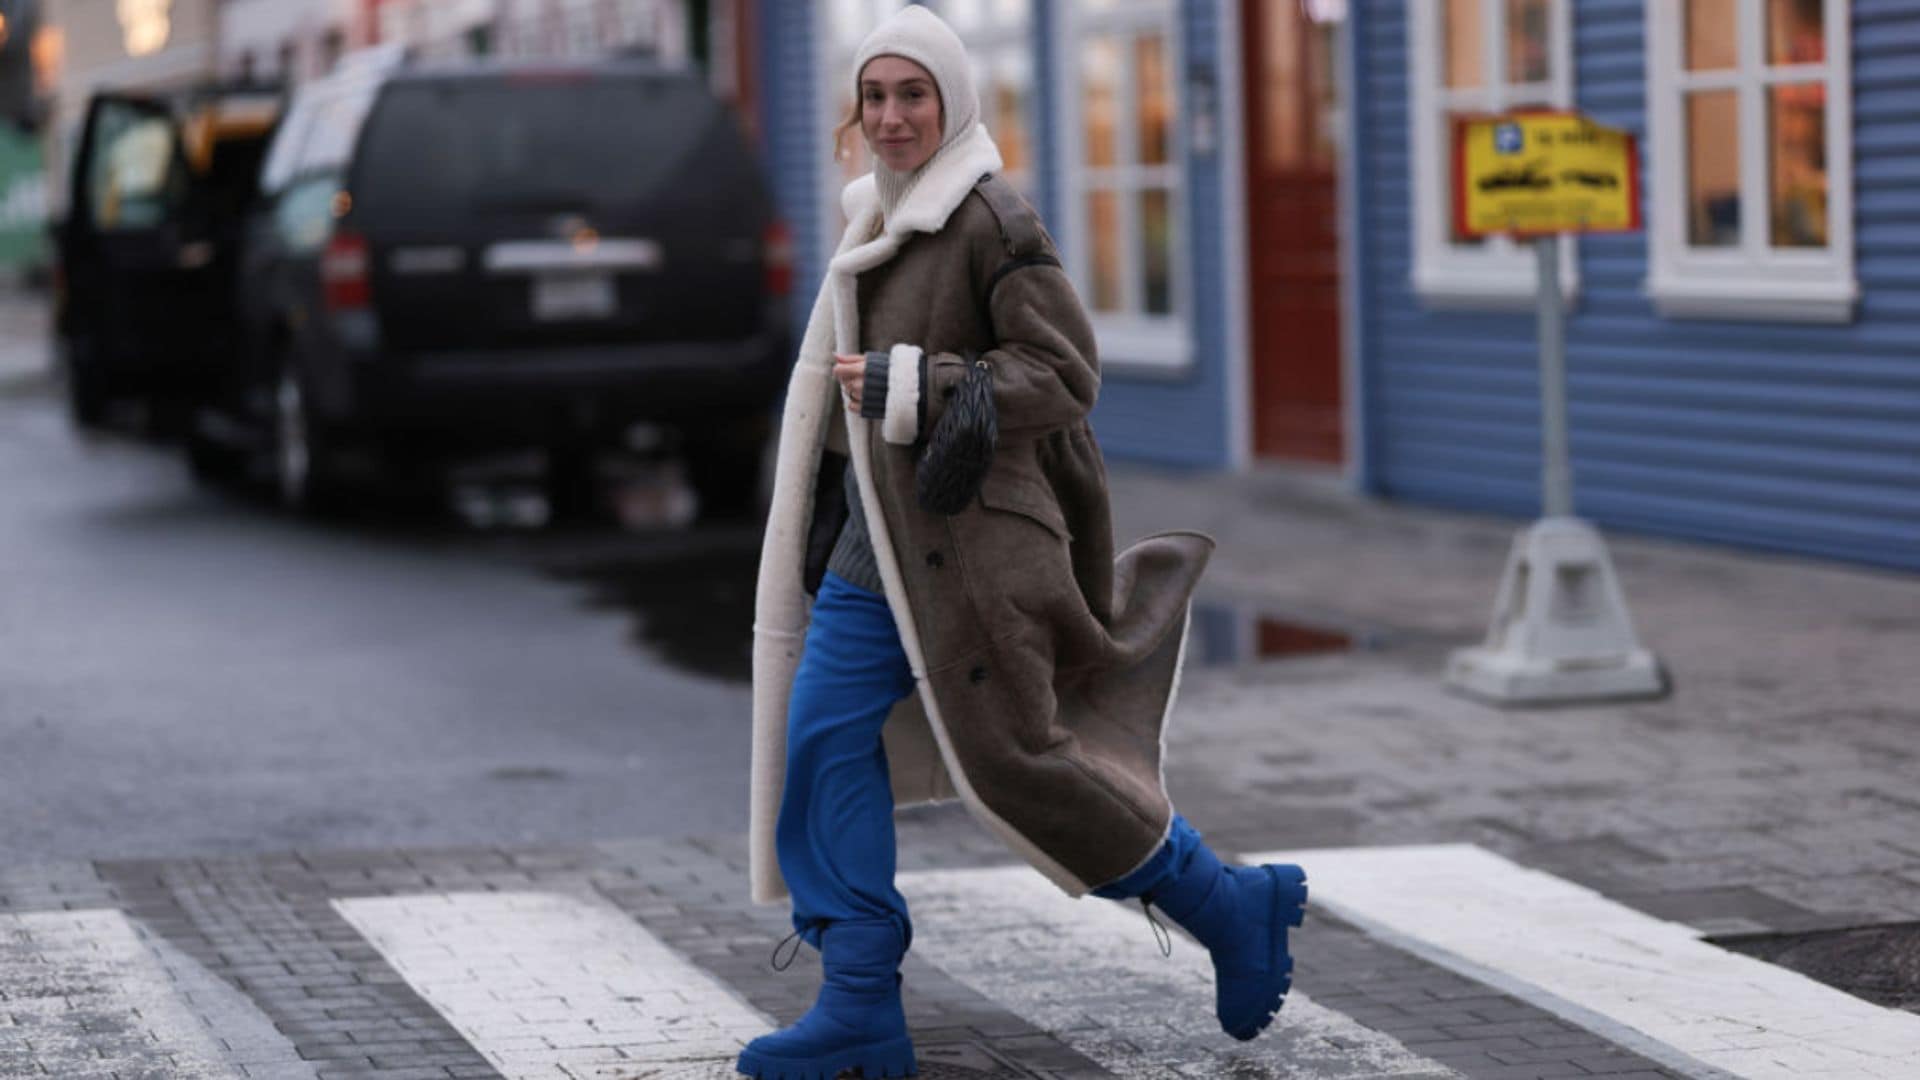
pixel 439 150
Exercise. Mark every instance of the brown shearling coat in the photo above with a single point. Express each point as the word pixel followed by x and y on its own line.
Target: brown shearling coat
pixel 1046 667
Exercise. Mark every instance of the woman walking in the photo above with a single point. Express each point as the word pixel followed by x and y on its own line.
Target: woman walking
pixel 971 634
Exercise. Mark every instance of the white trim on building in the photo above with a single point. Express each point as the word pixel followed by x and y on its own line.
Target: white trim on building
pixel 1237 306
pixel 1750 278
pixel 1495 273
pixel 999 40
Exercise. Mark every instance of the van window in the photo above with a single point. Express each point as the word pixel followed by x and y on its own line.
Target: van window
pixel 303 214
pixel 336 124
pixel 317 136
pixel 437 150
pixel 136 178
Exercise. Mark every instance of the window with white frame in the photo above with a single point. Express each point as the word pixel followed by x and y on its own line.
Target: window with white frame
pixel 999 39
pixel 1468 57
pixel 1124 178
pixel 1749 113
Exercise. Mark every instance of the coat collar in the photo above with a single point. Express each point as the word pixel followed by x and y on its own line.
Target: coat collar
pixel 939 192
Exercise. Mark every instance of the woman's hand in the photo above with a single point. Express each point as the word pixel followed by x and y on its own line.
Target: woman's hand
pixel 851 370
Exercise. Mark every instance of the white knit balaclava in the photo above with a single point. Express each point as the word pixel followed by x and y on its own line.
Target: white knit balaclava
pixel 919 35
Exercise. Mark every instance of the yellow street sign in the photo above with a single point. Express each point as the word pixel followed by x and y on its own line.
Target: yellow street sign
pixel 1543 172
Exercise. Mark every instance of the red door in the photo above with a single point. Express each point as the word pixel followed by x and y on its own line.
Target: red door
pixel 1293 243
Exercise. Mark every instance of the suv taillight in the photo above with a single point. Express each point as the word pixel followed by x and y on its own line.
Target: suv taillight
pixel 344 272
pixel 778 243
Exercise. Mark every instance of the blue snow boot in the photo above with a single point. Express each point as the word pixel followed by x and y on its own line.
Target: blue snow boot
pixel 855 1023
pixel 1241 914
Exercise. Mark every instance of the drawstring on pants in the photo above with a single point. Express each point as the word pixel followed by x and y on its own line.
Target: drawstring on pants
pixel 1160 935
pixel 794 939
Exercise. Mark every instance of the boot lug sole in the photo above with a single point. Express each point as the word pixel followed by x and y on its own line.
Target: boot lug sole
pixel 883 1061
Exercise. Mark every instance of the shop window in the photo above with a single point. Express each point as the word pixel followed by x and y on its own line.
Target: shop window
pixel 1124 178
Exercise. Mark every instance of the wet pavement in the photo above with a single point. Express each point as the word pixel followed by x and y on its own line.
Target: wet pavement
pixel 1880 964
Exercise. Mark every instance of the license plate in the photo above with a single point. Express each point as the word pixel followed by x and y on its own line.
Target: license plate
pixel 573 296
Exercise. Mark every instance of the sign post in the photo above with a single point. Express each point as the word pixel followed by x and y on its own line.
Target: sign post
pixel 1560 631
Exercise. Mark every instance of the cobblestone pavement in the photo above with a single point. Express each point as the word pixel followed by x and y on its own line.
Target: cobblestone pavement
pixel 1776 790
pixel 642 959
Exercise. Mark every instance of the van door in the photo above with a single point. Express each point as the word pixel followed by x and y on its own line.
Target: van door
pixel 135 255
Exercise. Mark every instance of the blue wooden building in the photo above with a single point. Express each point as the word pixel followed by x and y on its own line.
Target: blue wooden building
pixel 1252 200
pixel 1746 370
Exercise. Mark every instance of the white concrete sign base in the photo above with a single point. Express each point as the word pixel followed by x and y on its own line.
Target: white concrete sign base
pixel 1560 630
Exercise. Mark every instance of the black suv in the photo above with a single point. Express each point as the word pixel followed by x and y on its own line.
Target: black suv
pixel 146 254
pixel 503 255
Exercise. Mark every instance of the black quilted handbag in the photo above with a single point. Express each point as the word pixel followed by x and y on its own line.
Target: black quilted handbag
pixel 959 451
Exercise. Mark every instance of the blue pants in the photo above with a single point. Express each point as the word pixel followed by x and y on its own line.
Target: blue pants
pixel 835 835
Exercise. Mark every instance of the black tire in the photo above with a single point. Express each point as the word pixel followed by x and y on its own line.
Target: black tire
pixel 726 477
pixel 87 397
pixel 211 462
pixel 305 466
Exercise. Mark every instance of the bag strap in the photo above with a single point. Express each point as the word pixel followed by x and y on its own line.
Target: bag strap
pixel 1020 231
pixel 1019 225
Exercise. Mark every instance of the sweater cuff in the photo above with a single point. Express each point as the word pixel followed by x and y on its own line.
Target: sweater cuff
pixel 901 425
pixel 873 391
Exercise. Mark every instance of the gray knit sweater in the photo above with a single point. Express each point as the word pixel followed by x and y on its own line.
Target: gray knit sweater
pixel 852 556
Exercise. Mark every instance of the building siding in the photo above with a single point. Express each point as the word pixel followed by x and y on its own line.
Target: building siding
pixel 792 144
pixel 1789 437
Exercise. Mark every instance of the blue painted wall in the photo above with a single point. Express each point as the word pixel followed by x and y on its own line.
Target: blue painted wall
pixel 1771 435
pixel 793 145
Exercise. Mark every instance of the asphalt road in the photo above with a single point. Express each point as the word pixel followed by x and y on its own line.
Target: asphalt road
pixel 191 672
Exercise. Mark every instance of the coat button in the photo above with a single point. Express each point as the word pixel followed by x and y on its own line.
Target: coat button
pixel 936 560
pixel 977 675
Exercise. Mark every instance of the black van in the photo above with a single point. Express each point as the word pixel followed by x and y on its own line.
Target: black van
pixel 502 255
pixel 145 257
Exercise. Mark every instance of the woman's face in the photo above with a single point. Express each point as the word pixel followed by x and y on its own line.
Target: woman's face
pixel 899 112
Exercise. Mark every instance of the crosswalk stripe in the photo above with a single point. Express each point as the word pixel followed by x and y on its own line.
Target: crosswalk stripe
pixel 1060 963
pixel 84 996
pixel 542 983
pixel 1569 950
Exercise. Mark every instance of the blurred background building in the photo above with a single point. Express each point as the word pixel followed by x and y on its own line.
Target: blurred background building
pixel 1252 197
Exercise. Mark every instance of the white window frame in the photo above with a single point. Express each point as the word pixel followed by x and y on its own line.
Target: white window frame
pixel 1130 340
pixel 1497 274
pixel 986 43
pixel 1752 280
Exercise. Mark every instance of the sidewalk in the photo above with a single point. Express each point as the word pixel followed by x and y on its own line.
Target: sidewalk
pixel 26 354
pixel 1777 788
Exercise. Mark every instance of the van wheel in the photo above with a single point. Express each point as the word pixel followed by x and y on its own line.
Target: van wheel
pixel 726 477
pixel 87 398
pixel 305 472
pixel 209 461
